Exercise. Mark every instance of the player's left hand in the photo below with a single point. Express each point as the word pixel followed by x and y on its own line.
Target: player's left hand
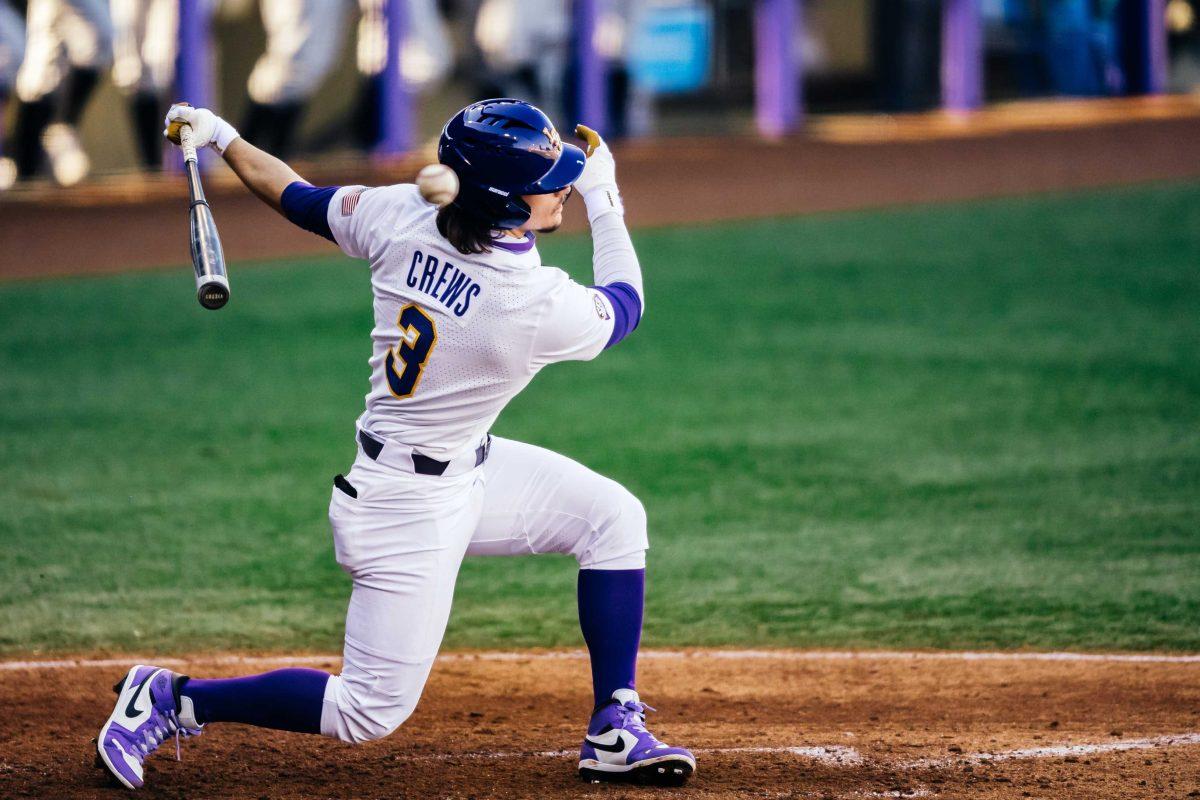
pixel 600 171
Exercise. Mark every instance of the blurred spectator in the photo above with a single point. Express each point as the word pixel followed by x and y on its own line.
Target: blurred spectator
pixel 145 37
pixel 1080 47
pixel 68 43
pixel 12 50
pixel 426 59
pixel 303 39
pixel 1064 46
pixel 527 50
pixel 907 51
pixel 524 47
pixel 1181 16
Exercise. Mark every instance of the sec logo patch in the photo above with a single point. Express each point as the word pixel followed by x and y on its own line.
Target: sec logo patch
pixel 601 311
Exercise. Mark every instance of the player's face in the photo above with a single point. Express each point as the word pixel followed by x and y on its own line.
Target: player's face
pixel 546 210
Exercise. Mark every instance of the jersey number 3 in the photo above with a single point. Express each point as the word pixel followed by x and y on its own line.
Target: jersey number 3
pixel 406 361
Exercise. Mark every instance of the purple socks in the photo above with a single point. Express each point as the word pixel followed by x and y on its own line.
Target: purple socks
pixel 286 699
pixel 610 615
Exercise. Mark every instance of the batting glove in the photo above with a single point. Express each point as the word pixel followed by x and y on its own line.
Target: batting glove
pixel 598 183
pixel 208 130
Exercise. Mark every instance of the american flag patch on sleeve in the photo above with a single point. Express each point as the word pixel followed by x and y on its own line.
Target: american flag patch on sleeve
pixel 350 202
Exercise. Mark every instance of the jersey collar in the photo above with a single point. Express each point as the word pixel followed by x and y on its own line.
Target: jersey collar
pixel 505 242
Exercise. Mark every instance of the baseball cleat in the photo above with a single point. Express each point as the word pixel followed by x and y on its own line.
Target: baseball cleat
pixel 619 748
pixel 146 713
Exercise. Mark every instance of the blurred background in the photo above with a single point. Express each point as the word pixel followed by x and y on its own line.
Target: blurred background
pixel 84 83
pixel 962 411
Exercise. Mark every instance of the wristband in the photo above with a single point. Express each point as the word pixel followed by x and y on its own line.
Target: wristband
pixel 223 136
pixel 602 200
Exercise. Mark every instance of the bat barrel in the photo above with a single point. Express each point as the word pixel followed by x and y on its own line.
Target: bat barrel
pixel 212 282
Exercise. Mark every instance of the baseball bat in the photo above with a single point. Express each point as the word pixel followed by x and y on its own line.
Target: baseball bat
pixel 212 282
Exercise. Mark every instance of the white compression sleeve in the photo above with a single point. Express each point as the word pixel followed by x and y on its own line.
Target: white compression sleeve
pixel 613 257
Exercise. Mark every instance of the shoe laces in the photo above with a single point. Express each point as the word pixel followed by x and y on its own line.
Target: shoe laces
pixel 632 716
pixel 164 724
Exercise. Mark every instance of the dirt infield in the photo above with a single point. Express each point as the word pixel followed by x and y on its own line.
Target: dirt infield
pixel 122 224
pixel 765 724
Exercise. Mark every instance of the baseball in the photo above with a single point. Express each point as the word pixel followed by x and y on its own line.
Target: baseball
pixel 438 184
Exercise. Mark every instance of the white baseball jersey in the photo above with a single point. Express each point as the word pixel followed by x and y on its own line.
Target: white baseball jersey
pixel 456 336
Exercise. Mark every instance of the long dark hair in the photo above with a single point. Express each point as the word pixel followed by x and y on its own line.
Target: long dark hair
pixel 467 232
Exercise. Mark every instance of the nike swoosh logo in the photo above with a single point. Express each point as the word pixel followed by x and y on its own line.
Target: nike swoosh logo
pixel 616 747
pixel 132 712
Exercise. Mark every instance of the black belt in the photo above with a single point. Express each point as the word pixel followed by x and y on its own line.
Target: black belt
pixel 422 465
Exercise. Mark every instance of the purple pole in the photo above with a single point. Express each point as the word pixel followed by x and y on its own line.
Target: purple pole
pixel 593 99
pixel 396 114
pixel 962 55
pixel 193 69
pixel 777 79
pixel 1153 32
pixel 1142 35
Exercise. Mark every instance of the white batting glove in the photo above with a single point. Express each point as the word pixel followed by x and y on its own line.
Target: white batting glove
pixel 208 130
pixel 598 183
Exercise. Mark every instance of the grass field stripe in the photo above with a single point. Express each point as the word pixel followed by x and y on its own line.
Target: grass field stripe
pixel 555 655
pixel 1061 751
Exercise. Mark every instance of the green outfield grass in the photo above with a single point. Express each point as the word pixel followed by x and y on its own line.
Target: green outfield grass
pixel 959 426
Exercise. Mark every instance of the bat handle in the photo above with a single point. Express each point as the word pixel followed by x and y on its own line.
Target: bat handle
pixel 188 143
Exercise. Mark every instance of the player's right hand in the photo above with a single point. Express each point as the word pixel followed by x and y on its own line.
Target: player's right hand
pixel 201 120
pixel 208 130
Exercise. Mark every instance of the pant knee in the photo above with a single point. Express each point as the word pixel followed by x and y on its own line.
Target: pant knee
pixel 619 539
pixel 358 712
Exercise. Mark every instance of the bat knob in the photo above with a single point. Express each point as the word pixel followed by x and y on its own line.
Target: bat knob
pixel 213 294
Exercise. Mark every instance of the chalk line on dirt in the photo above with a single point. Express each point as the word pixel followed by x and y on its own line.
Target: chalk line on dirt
pixel 1061 751
pixel 829 754
pixel 558 655
pixel 842 756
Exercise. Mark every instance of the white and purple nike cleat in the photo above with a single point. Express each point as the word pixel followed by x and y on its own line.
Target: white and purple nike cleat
pixel 147 712
pixel 619 748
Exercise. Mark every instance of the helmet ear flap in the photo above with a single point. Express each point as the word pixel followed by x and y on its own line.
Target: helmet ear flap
pixel 503 213
pixel 517 212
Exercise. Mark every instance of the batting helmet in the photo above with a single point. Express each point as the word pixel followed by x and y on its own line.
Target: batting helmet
pixel 502 149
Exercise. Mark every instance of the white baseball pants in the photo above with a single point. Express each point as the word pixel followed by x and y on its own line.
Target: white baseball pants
pixel 402 541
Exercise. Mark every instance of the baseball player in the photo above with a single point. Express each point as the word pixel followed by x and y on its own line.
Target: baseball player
pixel 465 316
pixel 68 43
pixel 145 33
